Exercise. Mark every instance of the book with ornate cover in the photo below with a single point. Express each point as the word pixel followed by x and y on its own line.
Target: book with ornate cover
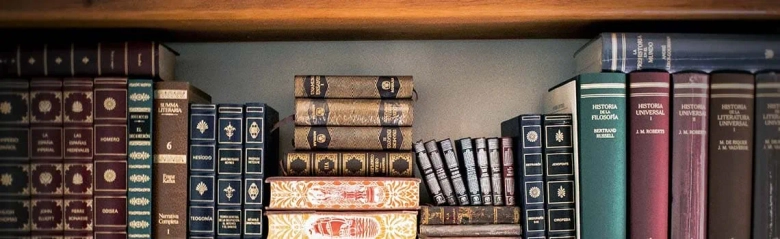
pixel 426 168
pixel 453 170
pixel 494 156
pixel 354 112
pixel 202 171
pixel 508 170
pixel 348 163
pixel 441 172
pixel 312 224
pixel 170 148
pixel 649 154
pixel 344 193
pixel 110 167
pixel 689 155
pixel 354 87
pixel 260 143
pixel 730 155
pixel 103 59
pixel 483 171
pixel 470 170
pixel 15 157
pixel 482 231
pixel 526 130
pixel 353 138
pixel 470 215
pixel 559 176
pixel 767 151
pixel 46 157
pixel 140 104
pixel 78 113
pixel 476 237
pixel 230 163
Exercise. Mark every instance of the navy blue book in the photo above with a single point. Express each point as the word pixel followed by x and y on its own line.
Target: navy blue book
pixel 526 132
pixel 15 157
pixel 559 175
pixel 230 143
pixel 202 168
pixel 627 52
pixel 766 221
pixel 259 144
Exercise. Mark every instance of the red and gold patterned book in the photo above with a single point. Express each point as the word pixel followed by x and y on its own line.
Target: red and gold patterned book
pixel 344 193
pixel 391 224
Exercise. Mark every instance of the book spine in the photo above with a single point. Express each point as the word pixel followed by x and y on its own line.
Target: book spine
pixel 260 143
pixel 441 173
pixel 508 170
pixel 649 154
pixel 230 162
pixel 731 154
pixel 355 163
pixel 46 159
pixel 353 138
pixel 559 176
pixel 343 193
pixel 349 224
pixel 426 168
pixel 202 170
pixel 689 155
pixel 354 87
pixel 453 170
pixel 767 151
pixel 15 157
pixel 78 110
pixel 495 171
pixel 471 215
pixel 483 171
pixel 483 231
pixel 169 177
pixel 110 165
pixel 602 110
pixel 628 52
pixel 140 104
pixel 354 112
pixel 532 178
pixel 470 170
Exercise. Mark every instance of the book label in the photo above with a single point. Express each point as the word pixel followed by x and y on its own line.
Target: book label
pixel 229 161
pixel 15 216
pixel 78 215
pixel 202 158
pixel 533 164
pixel 46 142
pixel 111 140
pixel 46 215
pixel 78 143
pixel 534 220
pixel 109 211
pixel 229 222
pixel 559 164
pixel 561 220
pixel 14 143
pixel 202 219
pixel 253 222
pixel 254 161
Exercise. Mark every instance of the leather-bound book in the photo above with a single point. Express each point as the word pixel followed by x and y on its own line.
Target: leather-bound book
pixel 369 225
pixel 469 169
pixel 496 180
pixel 482 231
pixel 202 170
pixel 261 143
pixel 766 183
pixel 453 170
pixel 78 110
pixel 230 164
pixel 344 193
pixel 354 87
pixel 348 163
pixel 469 215
pixel 441 173
pixel 46 159
pixel 649 107
pixel 426 168
pixel 559 176
pixel 354 112
pixel 140 107
pixel 483 171
pixel 353 138
pixel 508 170
pixel 527 131
pixel 15 156
pixel 731 155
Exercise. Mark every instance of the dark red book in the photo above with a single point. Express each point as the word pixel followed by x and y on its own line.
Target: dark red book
pixel 649 107
pixel 731 155
pixel 78 137
pixel 689 155
pixel 110 201
pixel 46 156
pixel 508 170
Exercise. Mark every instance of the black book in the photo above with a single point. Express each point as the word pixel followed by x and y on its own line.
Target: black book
pixel 483 171
pixel 430 176
pixel 767 151
pixel 494 154
pixel 559 175
pixel 526 132
pixel 441 174
pixel 451 159
pixel 469 168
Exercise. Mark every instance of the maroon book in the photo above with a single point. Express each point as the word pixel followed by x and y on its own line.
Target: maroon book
pixel 731 155
pixel 508 170
pixel 78 137
pixel 689 155
pixel 110 157
pixel 649 106
pixel 46 156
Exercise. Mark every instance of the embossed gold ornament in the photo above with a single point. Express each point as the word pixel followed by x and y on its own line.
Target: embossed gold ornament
pixel 253 191
pixel 44 106
pixel 6 179
pixel 77 107
pixel 109 175
pixel 532 136
pixel 78 179
pixel 109 104
pixel 201 188
pixel 229 192
pixel 535 192
pixel 229 129
pixel 561 192
pixel 321 138
pixel 5 107
pixel 254 130
pixel 202 126
pixel 45 178
pixel 559 136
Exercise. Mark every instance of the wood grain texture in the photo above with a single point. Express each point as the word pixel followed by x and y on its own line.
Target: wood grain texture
pixel 375 19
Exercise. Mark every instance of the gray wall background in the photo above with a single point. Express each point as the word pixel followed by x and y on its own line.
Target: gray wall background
pixel 466 88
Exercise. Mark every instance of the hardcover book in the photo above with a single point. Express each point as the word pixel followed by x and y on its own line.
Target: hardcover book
pixel 140 106
pixel 495 171
pixel 453 170
pixel 110 166
pixel 483 171
pixel 46 157
pixel 260 143
pixel 482 231
pixel 78 113
pixel 441 173
pixel 767 151
pixel 202 171
pixel 559 177
pixel 379 224
pixel 508 170
pixel 344 193
pixel 354 87
pixel 673 52
pixel 649 154
pixel 353 138
pixel 230 164
pixel 354 112
pixel 689 155
pixel 527 131
pixel 15 157
pixel 115 59
pixel 470 170
pixel 426 168
pixel 348 163
pixel 731 155
pixel 169 180
pixel 471 215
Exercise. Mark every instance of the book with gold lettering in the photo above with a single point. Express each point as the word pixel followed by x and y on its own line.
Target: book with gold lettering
pixel 354 112
pixel 313 224
pixel 469 215
pixel 230 164
pixel 46 157
pixel 481 231
pixel 261 143
pixel 348 163
pixel 78 110
pixel 15 156
pixel 766 153
pixel 354 87
pixel 353 138
pixel 344 193
pixel 202 170
pixel 140 106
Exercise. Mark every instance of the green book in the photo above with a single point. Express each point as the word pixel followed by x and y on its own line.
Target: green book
pixel 139 203
pixel 598 101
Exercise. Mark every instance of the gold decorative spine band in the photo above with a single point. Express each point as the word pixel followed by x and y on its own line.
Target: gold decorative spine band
pixel 354 112
pixel 354 87
pixel 353 138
